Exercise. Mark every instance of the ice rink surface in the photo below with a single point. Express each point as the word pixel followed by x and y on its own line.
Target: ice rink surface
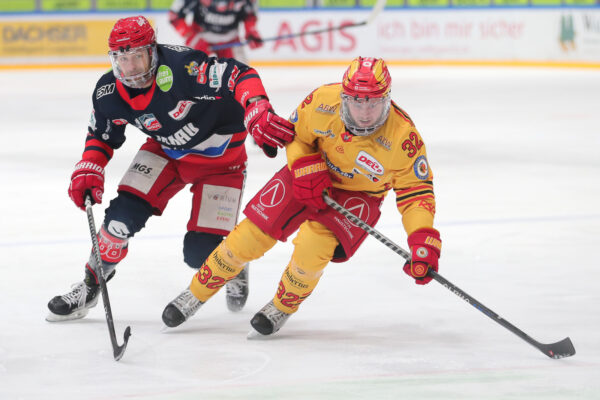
pixel 516 159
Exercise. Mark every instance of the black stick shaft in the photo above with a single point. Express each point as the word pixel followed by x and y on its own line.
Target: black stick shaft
pixel 118 351
pixel 560 349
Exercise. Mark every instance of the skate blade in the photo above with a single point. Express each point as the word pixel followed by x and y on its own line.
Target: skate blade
pixel 255 335
pixel 51 317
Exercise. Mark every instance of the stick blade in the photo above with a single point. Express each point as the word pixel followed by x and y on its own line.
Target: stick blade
pixel 120 350
pixel 557 350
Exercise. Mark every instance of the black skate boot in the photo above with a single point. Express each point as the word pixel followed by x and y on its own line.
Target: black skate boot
pixel 268 320
pixel 237 291
pixel 180 309
pixel 76 303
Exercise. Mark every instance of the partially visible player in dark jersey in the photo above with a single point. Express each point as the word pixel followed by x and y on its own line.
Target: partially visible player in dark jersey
pixel 194 110
pixel 204 24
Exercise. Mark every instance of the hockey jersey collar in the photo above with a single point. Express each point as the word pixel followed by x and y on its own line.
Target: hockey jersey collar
pixel 139 102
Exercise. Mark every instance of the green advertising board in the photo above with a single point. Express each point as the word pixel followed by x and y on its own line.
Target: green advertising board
pixel 160 4
pixel 580 2
pixel 471 3
pixel 66 5
pixel 511 3
pixel 17 5
pixel 546 2
pixel 427 3
pixel 108 5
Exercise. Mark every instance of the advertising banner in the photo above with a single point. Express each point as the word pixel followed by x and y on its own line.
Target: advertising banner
pixel 61 38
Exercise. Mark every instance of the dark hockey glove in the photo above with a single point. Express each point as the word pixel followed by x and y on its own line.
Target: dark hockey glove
pixel 310 177
pixel 88 177
pixel 425 246
pixel 268 129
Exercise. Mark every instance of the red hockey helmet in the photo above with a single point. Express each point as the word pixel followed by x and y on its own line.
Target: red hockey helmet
pixel 366 98
pixel 133 53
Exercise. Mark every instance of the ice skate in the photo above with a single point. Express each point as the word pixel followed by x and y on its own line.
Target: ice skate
pixel 180 309
pixel 77 303
pixel 237 291
pixel 268 320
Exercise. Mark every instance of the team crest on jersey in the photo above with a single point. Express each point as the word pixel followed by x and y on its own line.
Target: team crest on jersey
pixel 215 75
pixel 105 90
pixel 421 168
pixel 181 110
pixel 193 69
pixel 347 136
pixel 326 109
pixel 150 122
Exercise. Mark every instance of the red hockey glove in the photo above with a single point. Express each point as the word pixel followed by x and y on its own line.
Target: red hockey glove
pixel 88 177
pixel 310 177
pixel 425 245
pixel 252 35
pixel 269 130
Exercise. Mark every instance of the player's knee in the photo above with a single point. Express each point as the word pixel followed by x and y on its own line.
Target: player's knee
pixel 197 246
pixel 126 215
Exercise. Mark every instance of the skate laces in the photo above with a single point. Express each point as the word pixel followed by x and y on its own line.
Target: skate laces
pixel 274 315
pixel 235 287
pixel 77 295
pixel 187 303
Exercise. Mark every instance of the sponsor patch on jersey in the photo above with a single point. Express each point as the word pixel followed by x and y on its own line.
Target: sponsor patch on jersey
pixel 164 78
pixel 215 75
pixel 181 110
pixel 233 78
pixel 421 168
pixel 193 69
pixel 120 121
pixel 387 144
pixel 369 163
pixel 370 177
pixel 150 122
pixel 326 109
pixel 219 207
pixel 179 49
pixel 105 90
pixel 337 169
pixel 207 97
pixel 327 133
pixel 294 117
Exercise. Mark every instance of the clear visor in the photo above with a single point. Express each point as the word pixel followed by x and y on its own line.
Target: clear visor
pixel 363 116
pixel 135 67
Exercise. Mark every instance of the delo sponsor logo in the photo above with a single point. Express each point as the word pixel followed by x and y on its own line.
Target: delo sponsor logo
pixel 105 90
pixel 181 110
pixel 368 162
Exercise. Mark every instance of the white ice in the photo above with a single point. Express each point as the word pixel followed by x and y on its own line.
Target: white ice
pixel 516 158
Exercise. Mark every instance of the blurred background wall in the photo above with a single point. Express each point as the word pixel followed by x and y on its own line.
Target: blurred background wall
pixel 67 33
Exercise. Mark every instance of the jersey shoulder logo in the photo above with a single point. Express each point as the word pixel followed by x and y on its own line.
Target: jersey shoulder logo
pixel 105 90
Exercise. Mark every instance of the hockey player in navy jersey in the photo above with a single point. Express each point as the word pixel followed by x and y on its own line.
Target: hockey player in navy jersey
pixel 204 24
pixel 196 111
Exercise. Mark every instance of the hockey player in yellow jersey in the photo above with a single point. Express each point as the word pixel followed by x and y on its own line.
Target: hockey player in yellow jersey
pixel 353 141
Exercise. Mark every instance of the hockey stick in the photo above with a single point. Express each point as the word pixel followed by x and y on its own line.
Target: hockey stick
pixel 561 349
pixel 118 351
pixel 379 5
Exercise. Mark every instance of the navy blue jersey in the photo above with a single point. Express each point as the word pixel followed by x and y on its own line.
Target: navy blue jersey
pixel 217 16
pixel 194 107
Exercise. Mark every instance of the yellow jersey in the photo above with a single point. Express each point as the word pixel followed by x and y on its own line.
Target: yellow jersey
pixel 393 157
